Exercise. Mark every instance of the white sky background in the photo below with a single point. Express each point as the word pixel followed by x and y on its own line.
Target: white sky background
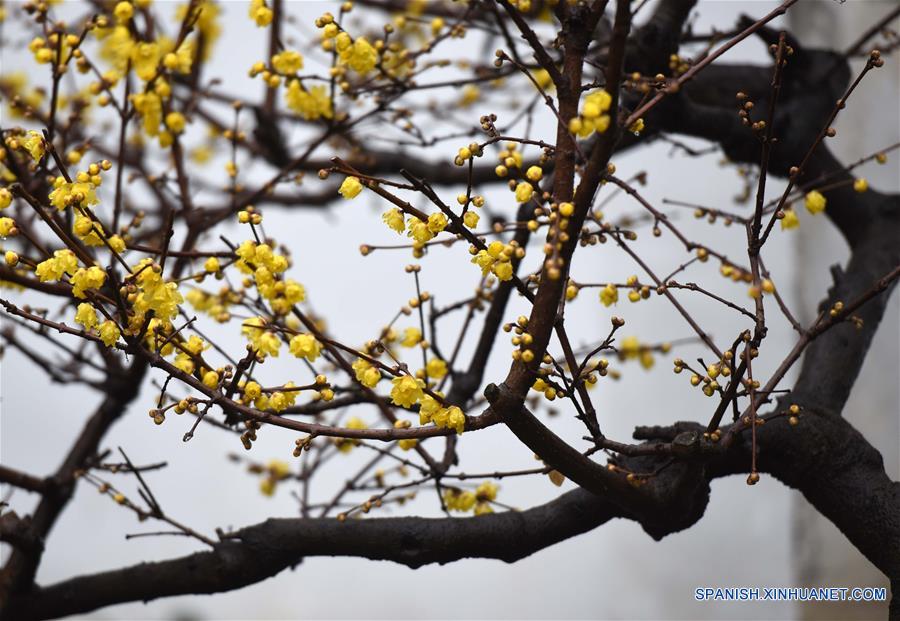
pixel 616 571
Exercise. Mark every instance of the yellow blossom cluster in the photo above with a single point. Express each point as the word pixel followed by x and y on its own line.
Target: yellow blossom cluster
pixel 431 410
pixel 631 348
pixel 260 13
pixel 263 340
pixel 593 117
pixel 215 305
pixel 187 351
pixel 305 346
pixel 31 142
pixel 366 373
pixel 464 501
pixel 310 103
pixel 510 158
pixel 497 258
pixel 609 295
pixel 274 472
pixel 266 267
pixel 62 262
pixel 712 372
pixel 424 231
pixel 153 293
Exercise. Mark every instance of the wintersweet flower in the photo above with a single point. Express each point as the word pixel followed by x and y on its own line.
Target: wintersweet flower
pixel 412 336
pixel 366 374
pixel 287 62
pixel 7 225
pixel 62 262
pixel 109 333
pixel 350 188
pixel 360 56
pixel 407 390
pixel 436 368
pixel 394 219
pixel 311 104
pixel 86 316
pixel 90 278
pixel 524 192
pixel 264 341
pixel 815 202
pixel 260 13
pixel 305 346
pixel 790 220
pixel 609 295
pixel 34 144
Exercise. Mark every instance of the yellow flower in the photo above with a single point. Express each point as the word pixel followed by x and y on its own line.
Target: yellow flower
pixel 470 95
pixel 419 230
pixel 631 348
pixel 287 62
pixel 78 192
pixel 436 368
pixel 543 79
pixel 252 390
pixel 407 390
pixel 366 374
pixel 109 333
pixel 149 106
pixel 458 500
pixel 145 58
pixel 815 202
pixel 609 295
pixel 350 188
pixel 123 11
pixel 534 173
pixel 503 270
pixel 154 293
pixel 211 379
pixel 211 265
pixel 6 227
pixel 305 346
pixel 311 104
pixel 260 13
pixel 790 220
pixel 264 342
pixel 361 56
pixel 470 219
pixel 861 185
pixel 596 104
pixel 428 408
pixel 524 191
pixel 90 278
pixel 456 419
pixel 267 487
pixel 5 198
pixel 412 336
pixel 175 121
pixel 486 492
pixel 394 219
pixel 437 222
pixel 62 262
pixel 34 144
pixel 86 316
